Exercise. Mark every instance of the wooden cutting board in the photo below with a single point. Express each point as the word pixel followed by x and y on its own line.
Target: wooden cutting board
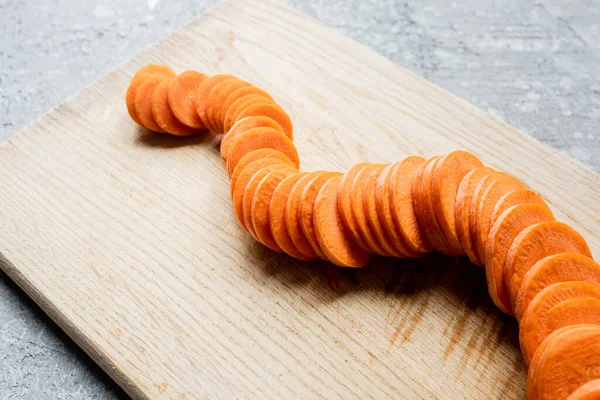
pixel 128 240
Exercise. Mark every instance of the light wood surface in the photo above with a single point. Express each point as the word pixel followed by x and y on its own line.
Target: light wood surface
pixel 129 242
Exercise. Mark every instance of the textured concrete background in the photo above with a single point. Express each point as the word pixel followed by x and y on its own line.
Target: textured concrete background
pixel 532 63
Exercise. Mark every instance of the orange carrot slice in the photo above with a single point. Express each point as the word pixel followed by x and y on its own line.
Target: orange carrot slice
pixel 271 110
pixel 261 138
pixel 505 230
pixel 277 217
pixel 571 357
pixel 345 203
pixel 397 201
pixel 161 111
pixel 512 199
pixel 556 268
pixel 242 126
pixel 235 96
pixel 587 391
pixel 203 92
pixel 336 242
pixel 539 321
pixel 534 243
pixel 182 98
pixel 254 156
pixel 261 200
pixel 448 174
pixel 137 80
pixel 143 102
pixel 236 108
pixel 210 102
pixel 357 192
pixel 462 208
pixel 216 112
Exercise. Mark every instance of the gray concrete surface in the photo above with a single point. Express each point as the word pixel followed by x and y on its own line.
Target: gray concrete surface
pixel 532 63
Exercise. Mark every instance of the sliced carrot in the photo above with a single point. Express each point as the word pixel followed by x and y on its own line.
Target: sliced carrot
pixel 254 156
pixel 306 207
pixel 271 110
pixel 224 92
pixel 534 243
pixel 137 80
pixel 345 203
pixel 556 268
pixel 370 171
pixel 336 242
pixel 161 111
pixel 571 357
pixel 143 102
pixel 182 98
pixel 277 217
pixel 505 230
pixel 448 174
pixel 214 102
pixel 537 322
pixel 261 200
pixel 261 138
pixel 203 92
pixel 512 199
pixel 239 105
pixel 499 185
pixel 462 209
pixel 235 96
pixel 242 126
pixel 396 195
pixel 239 187
pixel 587 391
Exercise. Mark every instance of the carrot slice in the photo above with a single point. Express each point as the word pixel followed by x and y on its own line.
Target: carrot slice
pixel 345 203
pixel 448 174
pixel 271 110
pixel 306 207
pixel 570 359
pixel 587 391
pixel 537 323
pixel 202 93
pixel 182 98
pixel 216 114
pixel 235 96
pixel 336 242
pixel 462 208
pixel 137 80
pixel 370 171
pixel 261 138
pixel 254 156
pixel 506 228
pixel 242 102
pixel 244 177
pixel 242 126
pixel 556 268
pixel 398 203
pixel 292 216
pixel 161 111
pixel 499 185
pixel 259 212
pixel 534 243
pixel 277 217
pixel 143 102
pixel 512 199
pixel 210 102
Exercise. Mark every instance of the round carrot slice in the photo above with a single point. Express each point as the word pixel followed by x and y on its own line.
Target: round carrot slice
pixel 202 93
pixel 587 391
pixel 345 203
pixel 462 209
pixel 182 98
pixel 556 268
pixel 236 95
pixel 505 230
pixel 261 138
pixel 137 80
pixel 336 242
pixel 358 210
pixel 574 311
pixel 242 126
pixel 214 102
pixel 143 102
pixel 255 156
pixel 240 104
pixel 161 111
pixel 239 187
pixel 271 110
pixel 571 358
pixel 221 97
pixel 306 206
pixel 512 199
pixel 534 243
pixel 277 217
pixel 448 174
pixel 261 200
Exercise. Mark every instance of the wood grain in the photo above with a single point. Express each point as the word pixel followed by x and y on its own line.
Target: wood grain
pixel 129 242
